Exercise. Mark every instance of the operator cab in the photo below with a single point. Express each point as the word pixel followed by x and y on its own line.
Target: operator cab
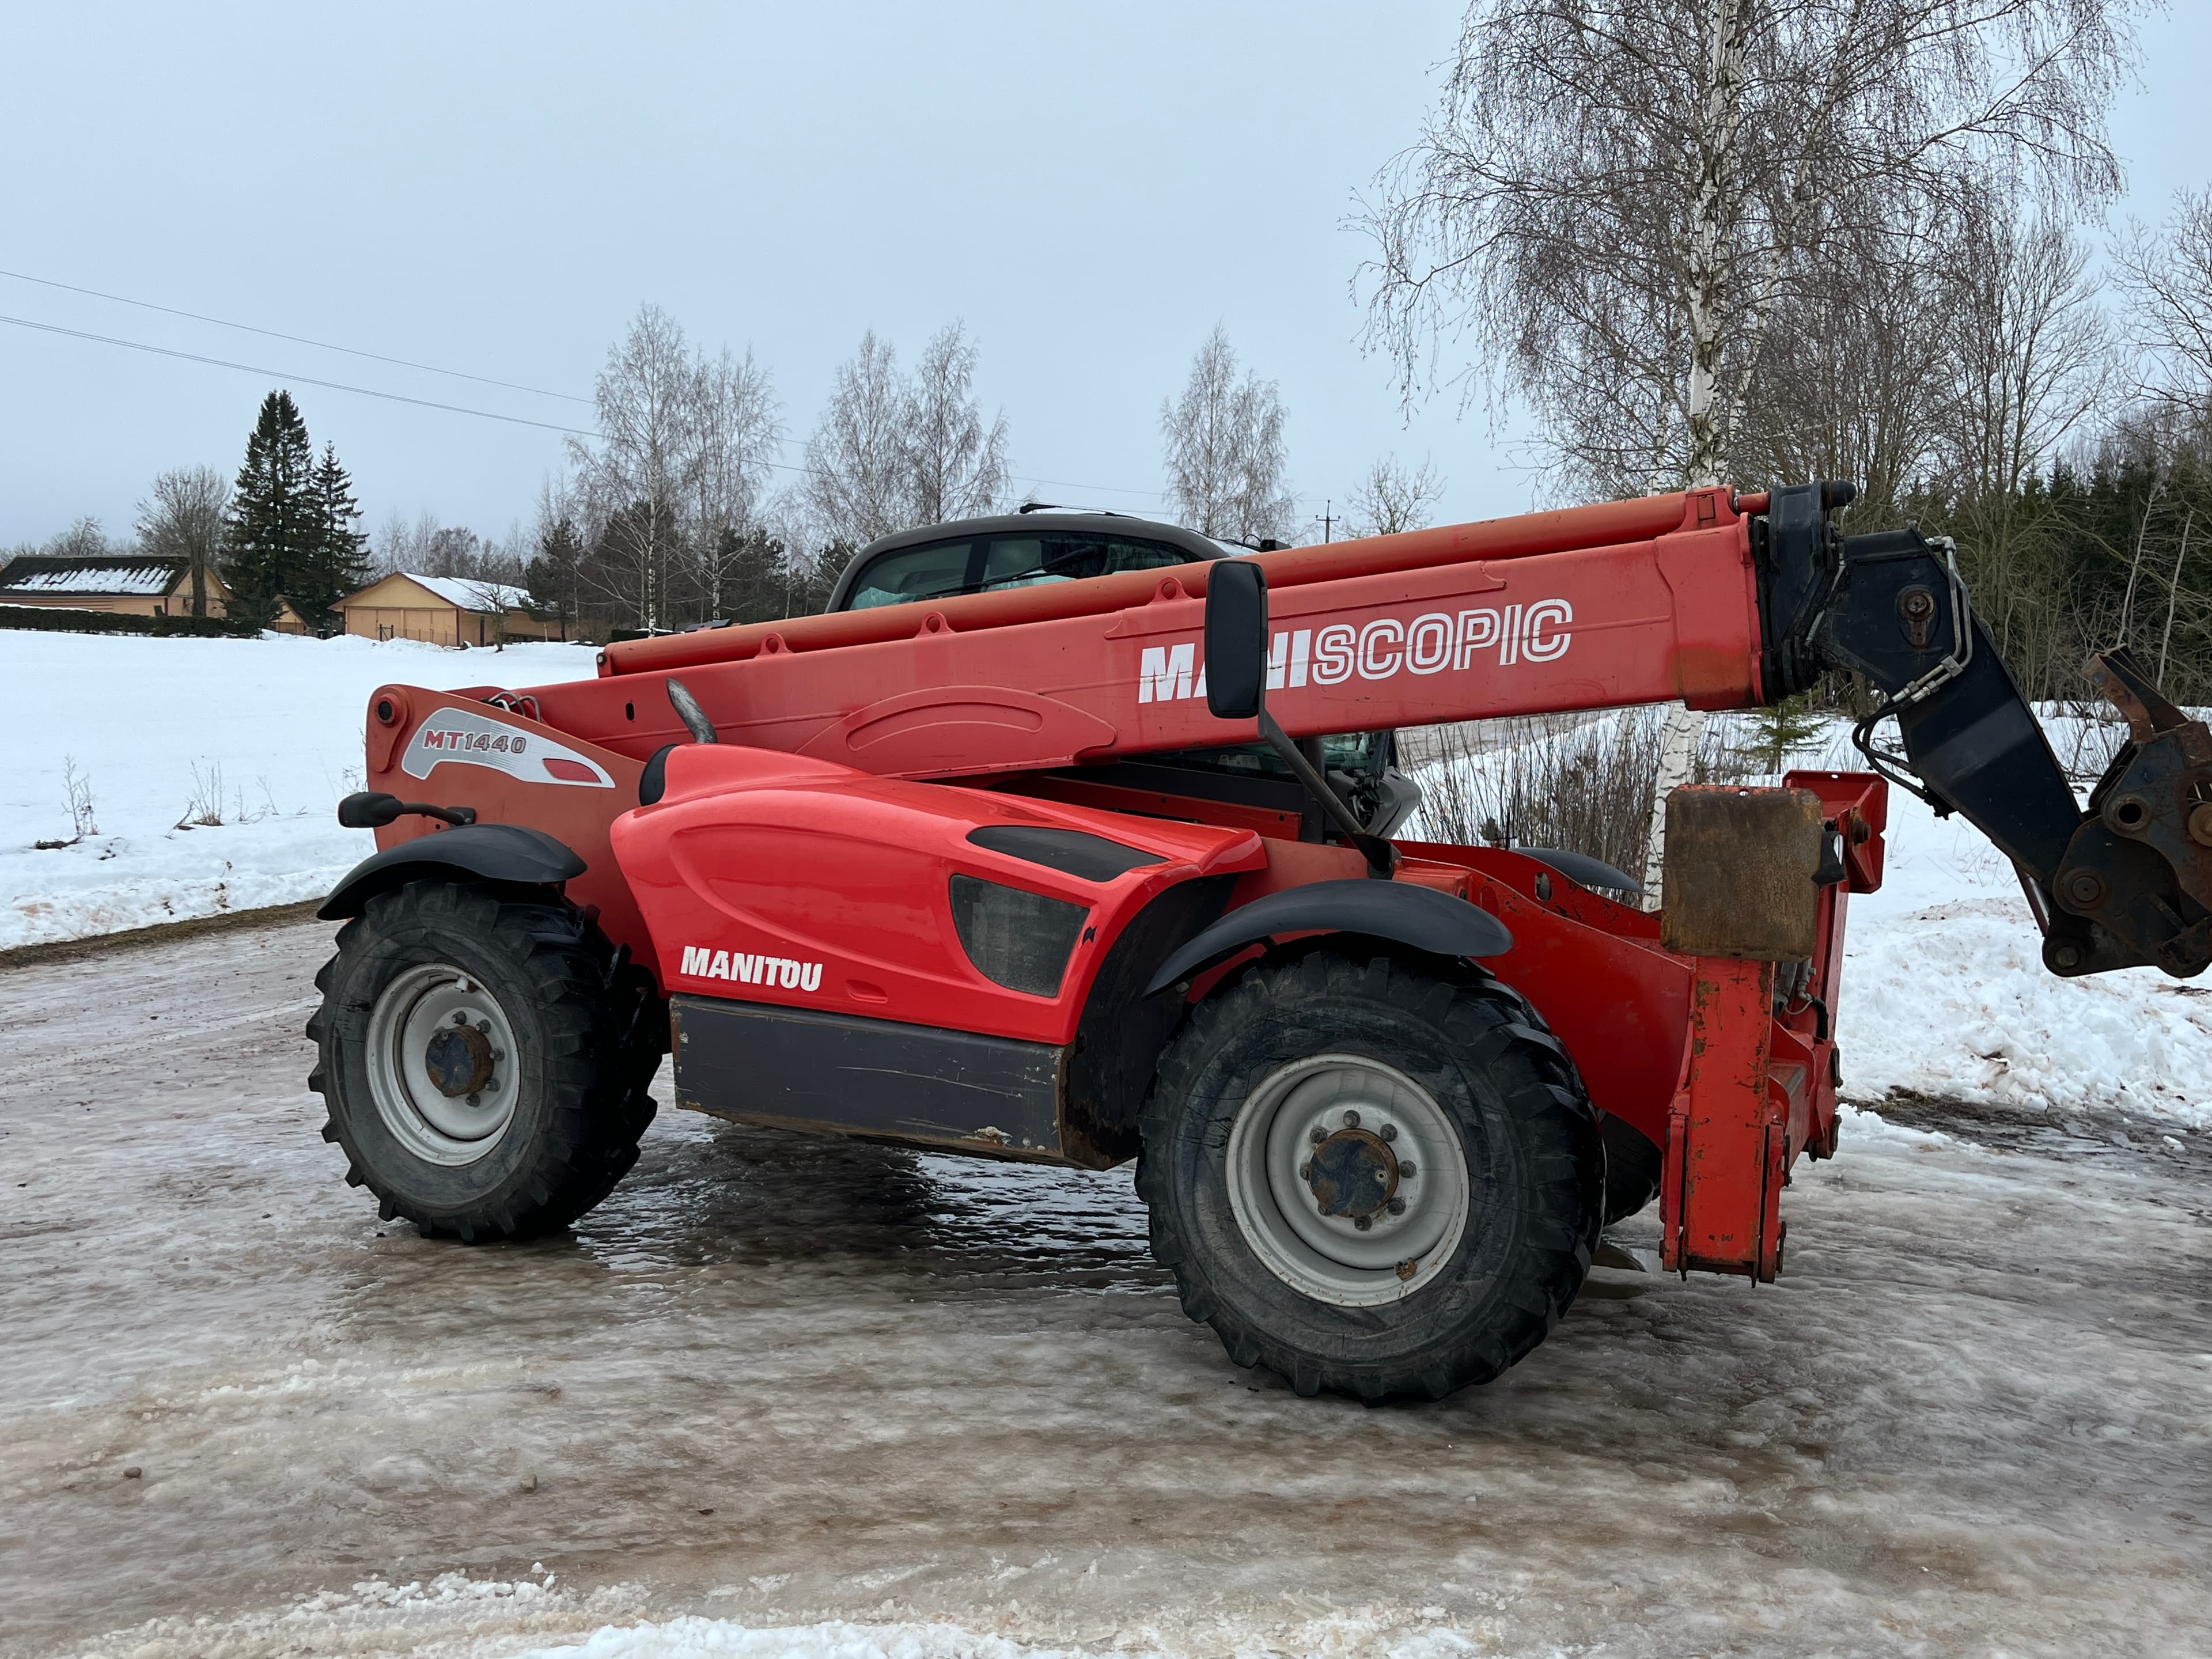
pixel 1037 546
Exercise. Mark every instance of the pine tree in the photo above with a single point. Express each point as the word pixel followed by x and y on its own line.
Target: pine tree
pixel 553 576
pixel 338 566
pixel 276 525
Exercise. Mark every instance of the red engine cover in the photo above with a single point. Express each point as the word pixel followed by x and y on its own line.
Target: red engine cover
pixel 766 876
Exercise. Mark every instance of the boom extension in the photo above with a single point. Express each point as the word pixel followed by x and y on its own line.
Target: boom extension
pixel 2126 884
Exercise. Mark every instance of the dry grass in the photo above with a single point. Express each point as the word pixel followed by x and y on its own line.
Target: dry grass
pixel 1583 785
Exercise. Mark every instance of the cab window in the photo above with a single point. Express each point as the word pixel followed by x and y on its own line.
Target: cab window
pixel 926 572
pixel 1027 560
pixel 994 563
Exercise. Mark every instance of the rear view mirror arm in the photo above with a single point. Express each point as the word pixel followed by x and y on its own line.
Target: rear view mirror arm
pixel 1382 856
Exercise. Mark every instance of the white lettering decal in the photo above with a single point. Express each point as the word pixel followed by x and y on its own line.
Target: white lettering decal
pixel 1428 642
pixel 748 968
pixel 1333 647
pixel 1543 614
pixel 1477 630
pixel 462 735
pixel 1380 665
pixel 1164 674
pixel 1379 649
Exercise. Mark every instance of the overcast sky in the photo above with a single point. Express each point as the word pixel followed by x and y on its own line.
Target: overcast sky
pixel 494 190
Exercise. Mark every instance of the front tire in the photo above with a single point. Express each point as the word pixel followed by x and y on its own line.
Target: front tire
pixel 1369 1179
pixel 484 1062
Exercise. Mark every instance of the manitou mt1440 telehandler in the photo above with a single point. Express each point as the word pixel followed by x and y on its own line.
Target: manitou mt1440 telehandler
pixel 1068 839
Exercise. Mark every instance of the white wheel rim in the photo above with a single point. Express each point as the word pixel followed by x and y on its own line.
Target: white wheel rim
pixel 1272 1153
pixel 431 1023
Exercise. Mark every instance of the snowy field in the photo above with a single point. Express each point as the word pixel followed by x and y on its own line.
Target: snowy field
pixel 264 734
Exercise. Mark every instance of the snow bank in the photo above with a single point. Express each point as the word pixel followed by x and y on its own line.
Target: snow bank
pixel 264 734
pixel 1945 994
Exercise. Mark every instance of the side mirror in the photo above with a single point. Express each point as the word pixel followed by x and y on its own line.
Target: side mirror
pixel 1236 638
pixel 369 809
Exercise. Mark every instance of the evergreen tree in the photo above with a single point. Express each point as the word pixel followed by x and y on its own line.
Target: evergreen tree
pixel 276 531
pixel 339 565
pixel 554 576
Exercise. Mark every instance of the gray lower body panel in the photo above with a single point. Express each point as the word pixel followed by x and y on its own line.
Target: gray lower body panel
pixel 802 1069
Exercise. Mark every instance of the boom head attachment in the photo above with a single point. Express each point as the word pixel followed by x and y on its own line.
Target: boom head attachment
pixel 2126 883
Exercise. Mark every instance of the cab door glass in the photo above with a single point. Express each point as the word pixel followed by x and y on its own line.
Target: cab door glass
pixel 1025 561
pixel 927 572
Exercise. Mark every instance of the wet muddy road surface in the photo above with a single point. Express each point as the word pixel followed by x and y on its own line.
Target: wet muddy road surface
pixel 778 1380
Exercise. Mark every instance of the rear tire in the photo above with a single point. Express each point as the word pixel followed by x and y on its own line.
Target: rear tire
pixel 1283 1097
pixel 484 1062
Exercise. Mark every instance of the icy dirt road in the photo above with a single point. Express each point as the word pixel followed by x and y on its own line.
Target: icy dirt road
pixel 774 1383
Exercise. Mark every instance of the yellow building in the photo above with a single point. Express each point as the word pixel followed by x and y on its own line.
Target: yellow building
pixel 128 584
pixel 444 610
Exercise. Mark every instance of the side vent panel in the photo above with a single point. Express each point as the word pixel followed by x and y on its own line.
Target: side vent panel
pixel 1016 938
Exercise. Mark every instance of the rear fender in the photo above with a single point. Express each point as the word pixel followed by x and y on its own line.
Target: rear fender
pixel 1420 919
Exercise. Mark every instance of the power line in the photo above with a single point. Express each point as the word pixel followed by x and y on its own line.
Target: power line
pixel 428 402
pixel 296 339
pixel 303 379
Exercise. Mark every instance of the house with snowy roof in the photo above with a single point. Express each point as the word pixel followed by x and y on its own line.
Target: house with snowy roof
pixel 128 584
pixel 444 610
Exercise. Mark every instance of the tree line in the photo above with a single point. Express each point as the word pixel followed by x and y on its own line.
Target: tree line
pixel 680 510
pixel 283 531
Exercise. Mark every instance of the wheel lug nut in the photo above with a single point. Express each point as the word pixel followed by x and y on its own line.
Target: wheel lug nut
pixel 1396 1207
pixel 459 1018
pixel 1362 1223
pixel 484 1026
pixel 1305 1172
pixel 1319 1134
pixel 476 1100
pixel 1405 1169
pixel 1351 1120
pixel 498 1054
pixel 1389 1132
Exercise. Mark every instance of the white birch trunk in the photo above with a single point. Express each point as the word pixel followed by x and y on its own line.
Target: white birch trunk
pixel 1679 738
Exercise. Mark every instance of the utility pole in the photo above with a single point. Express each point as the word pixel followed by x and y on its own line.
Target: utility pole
pixel 1325 505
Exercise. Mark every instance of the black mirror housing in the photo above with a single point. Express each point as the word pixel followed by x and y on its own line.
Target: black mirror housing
pixel 369 809
pixel 1236 638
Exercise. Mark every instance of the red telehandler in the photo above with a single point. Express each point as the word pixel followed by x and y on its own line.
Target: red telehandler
pixel 1052 842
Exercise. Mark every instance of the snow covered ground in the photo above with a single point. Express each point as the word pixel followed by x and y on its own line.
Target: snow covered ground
pixel 264 734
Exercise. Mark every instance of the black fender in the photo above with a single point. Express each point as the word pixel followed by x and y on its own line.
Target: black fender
pixel 507 852
pixel 1419 917
pixel 1581 869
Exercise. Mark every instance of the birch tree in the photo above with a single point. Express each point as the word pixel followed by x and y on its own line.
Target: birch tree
pixel 1611 198
pixel 2167 276
pixel 639 474
pixel 860 477
pixel 1394 497
pixel 737 431
pixel 1614 197
pixel 1224 439
pixel 956 463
